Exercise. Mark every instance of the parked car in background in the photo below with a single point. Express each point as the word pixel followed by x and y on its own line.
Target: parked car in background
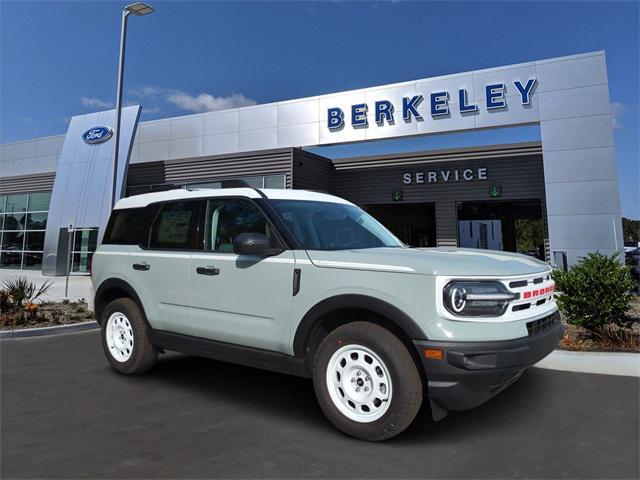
pixel 309 284
pixel 632 259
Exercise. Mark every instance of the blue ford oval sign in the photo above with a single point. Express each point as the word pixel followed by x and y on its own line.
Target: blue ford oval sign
pixel 97 135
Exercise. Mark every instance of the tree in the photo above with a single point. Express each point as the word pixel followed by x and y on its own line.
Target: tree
pixel 630 230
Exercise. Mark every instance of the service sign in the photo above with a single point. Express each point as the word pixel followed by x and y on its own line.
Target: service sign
pixel 445 175
pixel 97 135
pixel 440 104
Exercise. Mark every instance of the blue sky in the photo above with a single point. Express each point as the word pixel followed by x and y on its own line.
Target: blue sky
pixel 59 59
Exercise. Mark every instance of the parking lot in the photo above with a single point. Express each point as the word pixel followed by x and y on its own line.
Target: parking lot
pixel 65 414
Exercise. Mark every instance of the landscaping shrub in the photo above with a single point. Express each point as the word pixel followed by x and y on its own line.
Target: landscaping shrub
pixel 17 302
pixel 595 293
pixel 20 293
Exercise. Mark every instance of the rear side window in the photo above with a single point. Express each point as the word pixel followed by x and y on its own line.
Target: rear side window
pixel 126 227
pixel 176 226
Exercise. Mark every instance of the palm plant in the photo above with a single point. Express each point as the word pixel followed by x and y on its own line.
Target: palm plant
pixel 21 291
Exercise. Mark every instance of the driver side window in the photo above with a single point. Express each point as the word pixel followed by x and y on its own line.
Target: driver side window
pixel 225 219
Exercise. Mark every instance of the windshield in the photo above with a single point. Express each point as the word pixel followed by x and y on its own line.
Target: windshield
pixel 333 226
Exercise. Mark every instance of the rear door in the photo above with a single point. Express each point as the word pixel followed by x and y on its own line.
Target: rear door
pixel 240 299
pixel 162 269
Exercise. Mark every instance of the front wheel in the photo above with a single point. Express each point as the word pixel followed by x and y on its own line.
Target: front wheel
pixel 366 382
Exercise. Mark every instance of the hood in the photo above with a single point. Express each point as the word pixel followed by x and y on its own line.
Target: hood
pixel 430 261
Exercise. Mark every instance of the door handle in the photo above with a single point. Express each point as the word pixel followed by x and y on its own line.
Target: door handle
pixel 208 271
pixel 141 266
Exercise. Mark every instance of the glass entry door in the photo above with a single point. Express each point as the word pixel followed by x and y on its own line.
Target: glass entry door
pixel 84 244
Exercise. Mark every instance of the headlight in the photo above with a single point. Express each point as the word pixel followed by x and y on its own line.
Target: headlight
pixel 477 299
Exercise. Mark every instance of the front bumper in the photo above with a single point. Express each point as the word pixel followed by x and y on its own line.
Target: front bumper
pixel 470 373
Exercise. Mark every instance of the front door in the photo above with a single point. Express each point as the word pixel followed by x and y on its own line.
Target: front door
pixel 240 299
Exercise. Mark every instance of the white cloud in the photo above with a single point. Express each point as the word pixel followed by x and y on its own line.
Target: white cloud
pixel 146 91
pixel 617 110
pixel 205 102
pixel 151 110
pixel 95 103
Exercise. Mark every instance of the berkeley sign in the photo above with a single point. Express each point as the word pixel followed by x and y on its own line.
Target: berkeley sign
pixel 384 110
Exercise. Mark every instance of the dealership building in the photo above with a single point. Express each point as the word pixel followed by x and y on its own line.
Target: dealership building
pixel 556 198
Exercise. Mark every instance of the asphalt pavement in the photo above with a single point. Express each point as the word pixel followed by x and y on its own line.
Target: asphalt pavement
pixel 66 414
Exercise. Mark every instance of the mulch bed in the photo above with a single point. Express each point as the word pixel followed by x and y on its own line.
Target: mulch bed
pixel 49 314
pixel 579 339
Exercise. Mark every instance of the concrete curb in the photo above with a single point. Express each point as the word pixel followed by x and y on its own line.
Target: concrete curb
pixel 55 330
pixel 606 363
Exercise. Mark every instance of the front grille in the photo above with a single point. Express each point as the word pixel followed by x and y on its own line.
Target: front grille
pixel 523 306
pixel 524 283
pixel 541 324
pixel 533 292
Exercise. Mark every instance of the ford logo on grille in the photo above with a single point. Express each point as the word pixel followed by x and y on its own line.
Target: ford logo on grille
pixel 97 135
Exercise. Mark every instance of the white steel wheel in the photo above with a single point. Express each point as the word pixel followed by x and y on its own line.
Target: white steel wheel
pixel 359 383
pixel 119 337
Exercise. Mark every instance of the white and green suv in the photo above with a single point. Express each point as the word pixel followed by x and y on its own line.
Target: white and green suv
pixel 309 284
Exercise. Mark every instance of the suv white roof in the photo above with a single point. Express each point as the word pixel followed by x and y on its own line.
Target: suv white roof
pixel 145 199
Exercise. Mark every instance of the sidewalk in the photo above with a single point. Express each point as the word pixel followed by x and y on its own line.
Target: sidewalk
pixel 607 363
pixel 79 285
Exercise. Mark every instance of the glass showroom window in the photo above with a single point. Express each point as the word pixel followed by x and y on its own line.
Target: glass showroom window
pixel 85 241
pixel 268 181
pixel 23 221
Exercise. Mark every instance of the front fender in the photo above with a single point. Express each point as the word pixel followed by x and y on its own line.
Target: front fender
pixel 365 302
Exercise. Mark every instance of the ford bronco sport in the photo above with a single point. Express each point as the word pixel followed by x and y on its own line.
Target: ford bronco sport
pixel 309 284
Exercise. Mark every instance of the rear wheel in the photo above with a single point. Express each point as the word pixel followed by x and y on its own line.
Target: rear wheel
pixel 366 382
pixel 124 337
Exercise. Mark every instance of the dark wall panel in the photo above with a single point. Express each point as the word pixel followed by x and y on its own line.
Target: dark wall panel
pixel 520 177
pixel 257 163
pixel 42 182
pixel 312 172
pixel 148 173
pixel 268 162
pixel 446 224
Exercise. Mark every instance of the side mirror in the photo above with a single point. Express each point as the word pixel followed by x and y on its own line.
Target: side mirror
pixel 256 244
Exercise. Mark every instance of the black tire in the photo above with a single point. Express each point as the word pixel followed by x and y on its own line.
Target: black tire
pixel 143 355
pixel 405 380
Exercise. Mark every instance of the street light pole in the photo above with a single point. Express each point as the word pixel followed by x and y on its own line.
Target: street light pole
pixel 123 41
pixel 139 9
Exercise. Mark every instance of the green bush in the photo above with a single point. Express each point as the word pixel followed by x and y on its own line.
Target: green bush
pixel 595 293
